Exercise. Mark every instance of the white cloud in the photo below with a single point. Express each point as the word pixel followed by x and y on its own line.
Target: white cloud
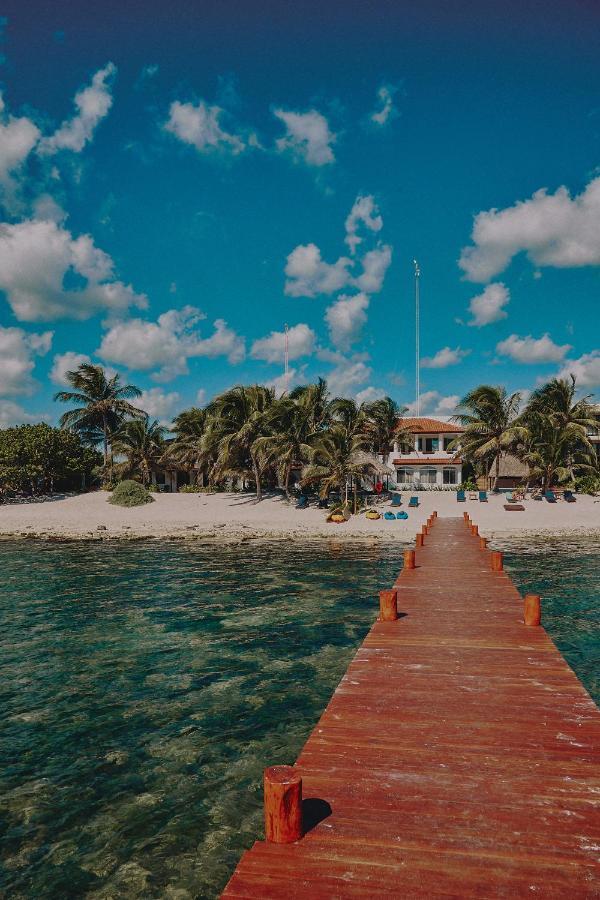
pixel 489 306
pixel 375 264
pixel 18 349
pixel 386 109
pixel 36 257
pixel 364 211
pixel 66 362
pixel 532 350
pixel 168 343
pixel 13 414
pixel 200 397
pixel 553 229
pixel 18 137
pixel 158 404
pixel 434 403
pixel 281 384
pixel 308 275
pixel 369 394
pixel 586 369
pixel 92 104
pixel 200 126
pixel 307 137
pixel 345 319
pixel 444 357
pixel 301 341
pixel 348 375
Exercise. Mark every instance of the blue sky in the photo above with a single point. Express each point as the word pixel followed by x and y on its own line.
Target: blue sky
pixel 179 183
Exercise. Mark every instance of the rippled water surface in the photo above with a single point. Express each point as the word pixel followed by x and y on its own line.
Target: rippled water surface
pixel 145 686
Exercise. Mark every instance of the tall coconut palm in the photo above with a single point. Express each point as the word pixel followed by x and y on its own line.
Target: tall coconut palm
pixel 187 449
pixel 385 428
pixel 491 425
pixel 350 416
pixel 290 425
pixel 238 417
pixel 102 404
pixel 553 452
pixel 315 399
pixel 142 442
pixel 336 459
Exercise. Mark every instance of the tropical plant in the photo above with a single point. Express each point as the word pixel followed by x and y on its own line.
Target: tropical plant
pixel 588 484
pixel 288 442
pixel 384 426
pixel 37 458
pixel 491 426
pixel 553 452
pixel 336 459
pixel 142 442
pixel 102 405
pixel 130 493
pixel 187 450
pixel 315 400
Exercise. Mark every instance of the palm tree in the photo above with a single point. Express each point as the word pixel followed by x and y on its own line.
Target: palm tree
pixel 350 416
pixel 142 442
pixel 337 457
pixel 103 405
pixel 385 428
pixel 491 425
pixel 187 449
pixel 315 399
pixel 289 441
pixel 239 417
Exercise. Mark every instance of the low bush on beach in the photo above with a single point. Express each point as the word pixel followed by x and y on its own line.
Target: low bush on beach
pixel 130 493
pixel 588 484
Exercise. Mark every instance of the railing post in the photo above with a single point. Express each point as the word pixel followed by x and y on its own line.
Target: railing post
pixel 409 559
pixel 388 605
pixel 283 804
pixel 497 561
pixel 532 610
pixel 483 543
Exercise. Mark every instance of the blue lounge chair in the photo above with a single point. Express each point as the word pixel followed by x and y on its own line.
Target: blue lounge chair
pixel 302 502
pixel 389 515
pixel 413 502
pixel 568 496
pixel 402 515
pixel 550 496
pixel 460 497
pixel 396 499
pixel 483 497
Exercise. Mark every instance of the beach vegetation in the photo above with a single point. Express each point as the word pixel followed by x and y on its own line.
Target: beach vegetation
pixel 39 459
pixel 130 493
pixel 588 484
pixel 142 443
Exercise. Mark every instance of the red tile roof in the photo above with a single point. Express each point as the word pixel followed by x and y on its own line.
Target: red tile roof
pixel 423 461
pixel 423 425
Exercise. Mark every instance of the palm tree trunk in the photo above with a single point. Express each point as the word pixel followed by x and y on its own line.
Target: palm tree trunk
pixel 497 472
pixel 286 486
pixel 256 471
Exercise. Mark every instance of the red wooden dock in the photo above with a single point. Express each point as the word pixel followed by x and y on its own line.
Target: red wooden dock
pixel 460 755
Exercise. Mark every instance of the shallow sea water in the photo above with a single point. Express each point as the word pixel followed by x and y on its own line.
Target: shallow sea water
pixel 144 687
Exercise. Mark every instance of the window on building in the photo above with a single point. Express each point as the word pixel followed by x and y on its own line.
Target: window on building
pixel 428 476
pixel 450 476
pixel 404 476
pixel 447 443
pixel 428 444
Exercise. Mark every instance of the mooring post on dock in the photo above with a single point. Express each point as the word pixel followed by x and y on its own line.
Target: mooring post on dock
pixel 483 543
pixel 419 540
pixel 388 605
pixel 425 530
pixel 466 517
pixel 475 530
pixel 497 561
pixel 283 804
pixel 409 559
pixel 532 609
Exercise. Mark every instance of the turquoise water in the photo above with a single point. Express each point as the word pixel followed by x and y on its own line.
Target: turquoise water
pixel 144 687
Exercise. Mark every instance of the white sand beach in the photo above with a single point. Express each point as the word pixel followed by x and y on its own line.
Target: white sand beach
pixel 235 517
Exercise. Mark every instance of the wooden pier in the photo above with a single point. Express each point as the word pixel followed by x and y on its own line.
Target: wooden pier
pixel 458 757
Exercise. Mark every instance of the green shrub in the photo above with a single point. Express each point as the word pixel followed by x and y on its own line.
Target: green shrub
pixel 588 484
pixel 194 489
pixel 130 493
pixel 467 486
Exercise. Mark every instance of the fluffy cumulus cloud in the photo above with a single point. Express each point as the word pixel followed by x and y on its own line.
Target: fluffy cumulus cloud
pixel 434 403
pixel 92 104
pixel 347 376
pixel 282 384
pixel 369 394
pixel 201 126
pixel 345 319
pixel 532 350
pixel 12 413
pixel 48 274
pixel 308 137
pixel 158 404
pixel 375 264
pixel 552 229
pixel 300 340
pixel 309 275
pixel 586 369
pixel 444 357
pixel 489 306
pixel 385 110
pixel 364 212
pixel 18 137
pixel 66 362
pixel 18 350
pixel 167 344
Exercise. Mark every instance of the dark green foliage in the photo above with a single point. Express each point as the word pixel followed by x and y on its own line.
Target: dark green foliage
pixel 130 493
pixel 38 459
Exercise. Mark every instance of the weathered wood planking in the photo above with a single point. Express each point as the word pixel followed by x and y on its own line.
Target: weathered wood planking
pixel 460 754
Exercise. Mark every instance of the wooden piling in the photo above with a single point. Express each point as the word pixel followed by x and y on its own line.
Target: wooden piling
pixel 283 804
pixel 419 540
pixel 483 543
pixel 532 610
pixel 388 606
pixel 475 530
pixel 409 559
pixel 497 561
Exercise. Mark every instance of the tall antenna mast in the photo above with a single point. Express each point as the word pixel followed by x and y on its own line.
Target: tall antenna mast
pixel 417 341
pixel 286 375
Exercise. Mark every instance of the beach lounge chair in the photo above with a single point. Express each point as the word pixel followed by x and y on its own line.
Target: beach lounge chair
pixel 510 498
pixel 514 507
pixel 389 515
pixel 568 496
pixel 402 515
pixel 460 497
pixel 550 496
pixel 413 502
pixel 302 502
pixel 396 499
pixel 483 497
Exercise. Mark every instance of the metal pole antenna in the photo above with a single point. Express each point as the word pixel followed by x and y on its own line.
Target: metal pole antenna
pixel 286 376
pixel 417 341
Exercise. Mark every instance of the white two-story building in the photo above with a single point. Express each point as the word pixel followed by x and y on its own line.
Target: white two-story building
pixel 431 462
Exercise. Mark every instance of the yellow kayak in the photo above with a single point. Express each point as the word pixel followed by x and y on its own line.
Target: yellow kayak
pixel 372 514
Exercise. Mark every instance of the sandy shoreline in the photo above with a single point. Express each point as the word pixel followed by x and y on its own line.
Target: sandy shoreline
pixel 237 517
